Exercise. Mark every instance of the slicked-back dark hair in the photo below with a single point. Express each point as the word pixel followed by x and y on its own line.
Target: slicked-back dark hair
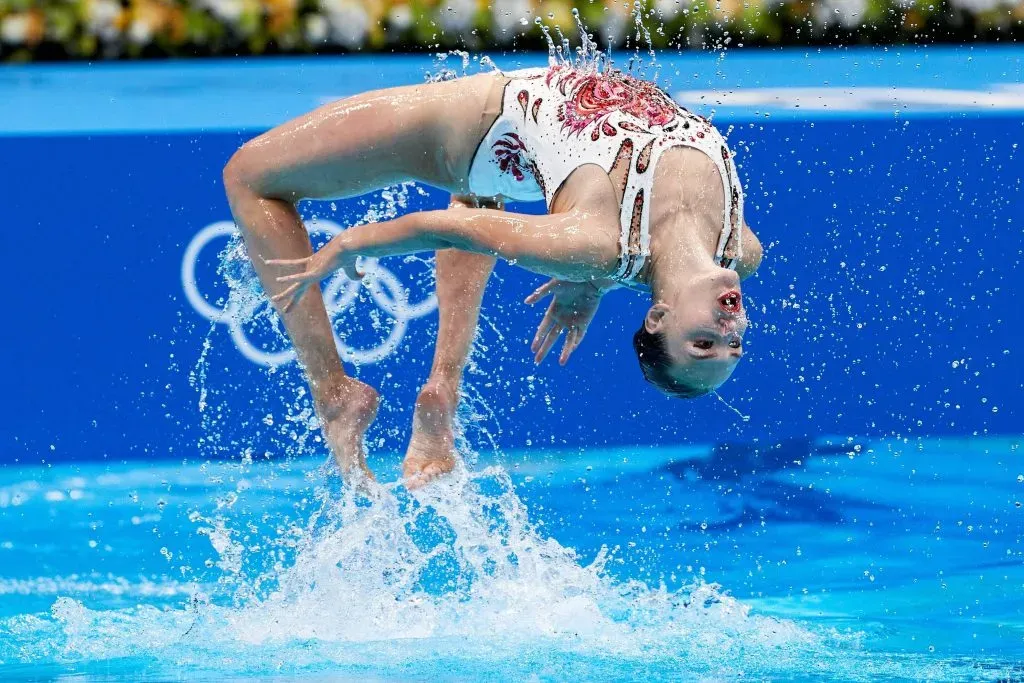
pixel 655 362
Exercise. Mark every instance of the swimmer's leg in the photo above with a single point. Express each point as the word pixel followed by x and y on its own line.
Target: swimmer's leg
pixel 346 407
pixel 271 228
pixel 461 280
pixel 342 149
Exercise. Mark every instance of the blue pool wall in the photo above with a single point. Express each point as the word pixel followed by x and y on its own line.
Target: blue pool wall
pixel 888 303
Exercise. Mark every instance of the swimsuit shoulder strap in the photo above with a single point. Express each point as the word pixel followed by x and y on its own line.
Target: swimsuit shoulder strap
pixel 730 243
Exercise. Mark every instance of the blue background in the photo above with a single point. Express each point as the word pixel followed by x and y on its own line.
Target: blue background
pixel 888 303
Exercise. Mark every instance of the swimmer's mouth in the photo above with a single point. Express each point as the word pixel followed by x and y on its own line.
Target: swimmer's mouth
pixel 731 301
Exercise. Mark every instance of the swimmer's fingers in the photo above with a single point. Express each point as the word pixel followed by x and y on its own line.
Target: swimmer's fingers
pixel 286 299
pixel 567 347
pixel 304 276
pixel 545 326
pixel 548 342
pixel 572 342
pixel 351 271
pixel 541 291
pixel 284 295
pixel 288 261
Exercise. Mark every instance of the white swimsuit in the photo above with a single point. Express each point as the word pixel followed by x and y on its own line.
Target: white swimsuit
pixel 554 120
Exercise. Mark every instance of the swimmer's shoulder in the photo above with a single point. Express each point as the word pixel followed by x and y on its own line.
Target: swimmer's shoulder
pixel 753 252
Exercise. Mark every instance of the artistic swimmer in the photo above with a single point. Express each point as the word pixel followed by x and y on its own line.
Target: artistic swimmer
pixel 640 193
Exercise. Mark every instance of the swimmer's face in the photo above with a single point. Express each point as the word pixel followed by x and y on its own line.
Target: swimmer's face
pixel 703 329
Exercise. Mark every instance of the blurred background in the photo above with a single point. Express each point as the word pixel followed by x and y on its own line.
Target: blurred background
pixel 105 29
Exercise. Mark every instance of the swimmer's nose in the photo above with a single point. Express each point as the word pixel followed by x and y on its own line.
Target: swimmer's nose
pixel 728 320
pixel 728 275
pixel 732 328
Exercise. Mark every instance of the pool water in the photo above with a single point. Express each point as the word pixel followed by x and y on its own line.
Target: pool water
pixel 833 559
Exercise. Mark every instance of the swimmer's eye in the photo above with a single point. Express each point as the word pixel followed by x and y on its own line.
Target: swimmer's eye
pixel 703 344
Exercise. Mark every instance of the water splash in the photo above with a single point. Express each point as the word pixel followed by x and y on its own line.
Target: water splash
pixel 246 299
pixel 228 549
pixel 586 57
pixel 443 72
pixel 456 581
pixel 460 562
pixel 589 57
pixel 739 413
pixel 643 37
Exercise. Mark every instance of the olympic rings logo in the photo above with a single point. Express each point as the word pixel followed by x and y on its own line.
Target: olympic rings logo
pixel 384 288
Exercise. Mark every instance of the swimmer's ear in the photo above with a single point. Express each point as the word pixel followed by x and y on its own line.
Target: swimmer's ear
pixel 655 318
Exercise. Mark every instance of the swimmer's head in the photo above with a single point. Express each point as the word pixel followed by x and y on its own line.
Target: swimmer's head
pixel 690 343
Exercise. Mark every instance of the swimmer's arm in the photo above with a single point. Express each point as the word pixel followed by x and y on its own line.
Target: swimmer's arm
pixel 554 245
pixel 557 244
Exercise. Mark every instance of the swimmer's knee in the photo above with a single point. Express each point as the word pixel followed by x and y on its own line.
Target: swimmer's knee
pixel 241 171
pixel 249 172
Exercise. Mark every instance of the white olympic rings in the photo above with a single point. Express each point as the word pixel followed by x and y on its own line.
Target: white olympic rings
pixel 384 288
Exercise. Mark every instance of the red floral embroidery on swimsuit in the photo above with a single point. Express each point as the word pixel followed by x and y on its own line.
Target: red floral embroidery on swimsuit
pixel 592 97
pixel 523 97
pixel 510 151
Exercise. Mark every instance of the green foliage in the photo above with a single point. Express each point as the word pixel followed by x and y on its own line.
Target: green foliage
pixel 91 29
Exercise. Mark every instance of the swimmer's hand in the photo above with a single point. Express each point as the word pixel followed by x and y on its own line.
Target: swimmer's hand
pixel 573 305
pixel 313 269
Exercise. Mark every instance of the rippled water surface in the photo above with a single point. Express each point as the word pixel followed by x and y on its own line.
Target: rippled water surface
pixel 834 559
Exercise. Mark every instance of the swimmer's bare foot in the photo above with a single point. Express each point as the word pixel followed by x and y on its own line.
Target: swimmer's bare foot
pixel 352 408
pixel 432 447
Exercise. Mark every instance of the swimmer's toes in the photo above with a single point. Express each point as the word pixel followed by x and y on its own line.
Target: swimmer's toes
pixel 429 473
pixel 431 451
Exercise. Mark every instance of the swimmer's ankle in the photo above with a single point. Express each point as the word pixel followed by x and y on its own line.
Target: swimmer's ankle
pixel 345 413
pixel 439 392
pixel 347 399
